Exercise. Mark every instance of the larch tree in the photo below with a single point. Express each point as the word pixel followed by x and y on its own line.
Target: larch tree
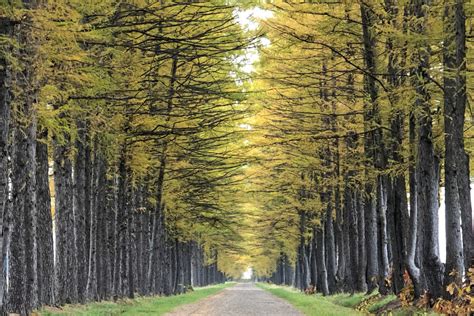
pixel 138 156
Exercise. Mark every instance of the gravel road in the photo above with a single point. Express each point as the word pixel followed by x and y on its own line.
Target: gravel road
pixel 243 299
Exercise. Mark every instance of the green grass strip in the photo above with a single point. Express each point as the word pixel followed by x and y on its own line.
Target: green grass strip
pixel 347 300
pixel 313 304
pixel 154 305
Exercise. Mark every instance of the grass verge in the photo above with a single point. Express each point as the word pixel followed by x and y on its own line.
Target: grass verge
pixel 140 306
pixel 343 304
pixel 313 304
pixel 347 300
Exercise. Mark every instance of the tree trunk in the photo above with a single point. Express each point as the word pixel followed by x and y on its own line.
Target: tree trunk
pixel 97 207
pixel 6 29
pixel 454 108
pixel 17 258
pixel 66 285
pixel 24 278
pixel 130 239
pixel 428 167
pixel 412 240
pixel 301 277
pixel 79 210
pixel 46 266
pixel 156 216
pixel 313 263
pixel 330 249
pixel 322 272
pixel 88 195
pixel 351 231
pixel 397 208
pixel 371 241
pixel 142 244
pixel 340 224
pixel 109 235
pixel 116 242
pixel 362 247
pixel 382 238
pixel 102 255
pixel 372 151
pixel 122 221
pixel 466 214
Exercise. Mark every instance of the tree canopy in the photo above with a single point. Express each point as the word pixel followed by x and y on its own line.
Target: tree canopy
pixel 149 146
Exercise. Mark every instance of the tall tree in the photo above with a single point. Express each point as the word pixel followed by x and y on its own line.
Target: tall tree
pixel 458 209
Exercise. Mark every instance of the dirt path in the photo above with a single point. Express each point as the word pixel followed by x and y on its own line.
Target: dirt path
pixel 244 299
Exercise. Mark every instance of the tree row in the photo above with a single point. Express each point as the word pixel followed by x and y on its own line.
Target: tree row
pixel 116 177
pixel 362 106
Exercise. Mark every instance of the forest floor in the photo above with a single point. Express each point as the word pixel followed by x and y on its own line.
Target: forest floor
pixel 342 304
pixel 139 306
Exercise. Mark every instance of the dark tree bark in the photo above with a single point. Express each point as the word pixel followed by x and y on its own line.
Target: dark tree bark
pixel 454 107
pixel 23 253
pixel 153 255
pixel 322 272
pixel 130 239
pixel 46 266
pixel 63 222
pixel 109 235
pixel 297 279
pixel 397 207
pixel 116 242
pixel 189 266
pixel 397 220
pixel 166 257
pixel 327 195
pixel 342 240
pixel 412 240
pixel 351 228
pixel 174 265
pixel 466 213
pixel 428 169
pixel 97 207
pixel 123 211
pixel 340 244
pixel 371 235
pixel 79 210
pixel 142 241
pixel 362 247
pixel 178 268
pixel 371 142
pixel 350 224
pixel 302 268
pixel 88 193
pixel 6 29
pixel 331 265
pixel 31 220
pixel 355 278
pixel 382 231
pixel 16 259
pixel 102 253
pixel 313 264
pixel 23 263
